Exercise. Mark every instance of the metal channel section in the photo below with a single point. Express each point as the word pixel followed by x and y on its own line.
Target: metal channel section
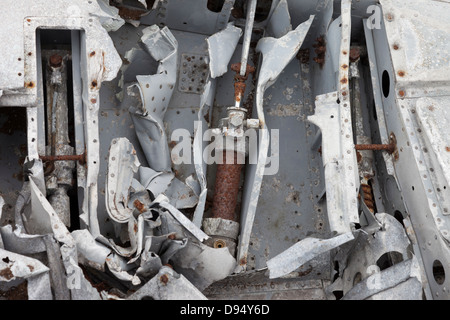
pixel 224 149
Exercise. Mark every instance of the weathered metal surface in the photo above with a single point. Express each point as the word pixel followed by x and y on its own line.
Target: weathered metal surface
pixel 167 242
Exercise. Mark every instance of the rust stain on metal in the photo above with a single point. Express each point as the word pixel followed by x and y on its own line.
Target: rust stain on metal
pixel 164 279
pixel 306 272
pixel 358 156
pixel 92 54
pixel 226 189
pixel 132 14
pixel 30 84
pixel 401 73
pixel 172 236
pixel 139 205
pixel 395 46
pixel 30 267
pixel 376 147
pixel 401 93
pixel 243 261
pixel 354 54
pixel 368 196
pixel 447 148
pixel 6 273
pixel 93 100
pixel 320 49
pixel 344 80
pixel 344 66
pixel 55 60
pixel 303 55
pixel 239 81
pixel 94 84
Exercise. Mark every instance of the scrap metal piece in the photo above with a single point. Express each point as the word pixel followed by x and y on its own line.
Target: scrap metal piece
pixel 18 267
pixel 163 201
pixel 277 53
pixel 44 220
pixel 339 169
pixel 302 252
pixel 280 21
pixel 122 164
pixel 206 100
pixel 156 91
pixel 203 265
pixel 221 47
pixel 90 252
pixel 400 282
pixel 168 285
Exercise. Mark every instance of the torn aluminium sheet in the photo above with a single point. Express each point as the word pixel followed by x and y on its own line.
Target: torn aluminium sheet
pixel 277 53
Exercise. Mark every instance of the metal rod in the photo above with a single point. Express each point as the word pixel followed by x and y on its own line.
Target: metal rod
pixel 74 157
pixel 376 147
pixel 251 10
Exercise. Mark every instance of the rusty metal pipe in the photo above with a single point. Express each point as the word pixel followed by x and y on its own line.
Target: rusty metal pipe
pixel 226 189
pixel 74 157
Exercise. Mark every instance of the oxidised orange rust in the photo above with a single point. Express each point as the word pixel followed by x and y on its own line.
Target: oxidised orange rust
pixel 75 157
pixel 401 73
pixel 164 278
pixel 320 49
pixel 401 93
pixel 239 81
pixel 447 149
pixel 354 54
pixel 368 196
pixel 56 61
pixel 139 205
pixel 376 147
pixel 226 189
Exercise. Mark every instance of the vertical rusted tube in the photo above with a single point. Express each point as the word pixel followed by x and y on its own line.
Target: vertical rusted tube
pixel 226 189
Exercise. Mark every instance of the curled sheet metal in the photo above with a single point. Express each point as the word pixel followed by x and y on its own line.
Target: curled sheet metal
pixel 302 252
pixel 122 164
pixel 156 91
pixel 90 252
pixel 206 100
pixel 221 47
pixel 277 53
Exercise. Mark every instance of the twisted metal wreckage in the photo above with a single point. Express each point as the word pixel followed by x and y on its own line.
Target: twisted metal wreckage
pixel 96 204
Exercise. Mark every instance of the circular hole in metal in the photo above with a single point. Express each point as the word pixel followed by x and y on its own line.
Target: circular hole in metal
pixel 438 272
pixel 219 244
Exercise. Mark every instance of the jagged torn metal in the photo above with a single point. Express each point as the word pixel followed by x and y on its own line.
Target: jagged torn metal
pixel 156 91
pixel 280 20
pixel 48 222
pixel 221 47
pixel 277 53
pixel 198 147
pixel 122 164
pixel 301 252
